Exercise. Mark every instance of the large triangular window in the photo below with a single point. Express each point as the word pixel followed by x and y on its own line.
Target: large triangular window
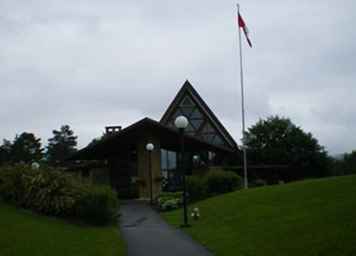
pixel 202 122
pixel 196 123
pixel 187 102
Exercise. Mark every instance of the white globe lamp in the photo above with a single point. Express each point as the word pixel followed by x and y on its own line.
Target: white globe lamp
pixel 181 122
pixel 150 147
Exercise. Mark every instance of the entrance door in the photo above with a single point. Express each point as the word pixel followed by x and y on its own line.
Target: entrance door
pixel 122 170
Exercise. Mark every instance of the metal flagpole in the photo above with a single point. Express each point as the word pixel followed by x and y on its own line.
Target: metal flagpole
pixel 242 104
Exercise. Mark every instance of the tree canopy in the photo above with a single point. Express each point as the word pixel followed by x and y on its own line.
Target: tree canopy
pixel 61 145
pixel 350 163
pixel 5 152
pixel 276 140
pixel 25 148
pixel 346 164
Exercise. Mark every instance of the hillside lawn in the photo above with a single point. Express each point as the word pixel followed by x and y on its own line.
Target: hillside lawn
pixel 23 233
pixel 313 217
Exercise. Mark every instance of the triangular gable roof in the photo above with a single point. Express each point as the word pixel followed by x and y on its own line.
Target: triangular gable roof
pixel 189 103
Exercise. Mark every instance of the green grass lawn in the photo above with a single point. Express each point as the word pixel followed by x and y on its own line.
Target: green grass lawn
pixel 314 217
pixel 23 233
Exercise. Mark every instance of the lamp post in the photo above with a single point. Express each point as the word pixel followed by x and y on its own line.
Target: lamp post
pixel 149 148
pixel 181 123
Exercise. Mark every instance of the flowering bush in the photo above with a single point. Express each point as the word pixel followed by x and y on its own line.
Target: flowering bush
pixel 169 201
pixel 55 193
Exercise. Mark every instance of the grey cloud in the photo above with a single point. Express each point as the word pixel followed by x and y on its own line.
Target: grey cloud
pixel 93 63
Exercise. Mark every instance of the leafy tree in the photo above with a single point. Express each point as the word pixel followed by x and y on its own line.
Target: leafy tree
pixel 61 145
pixel 26 148
pixel 345 165
pixel 5 152
pixel 350 162
pixel 277 140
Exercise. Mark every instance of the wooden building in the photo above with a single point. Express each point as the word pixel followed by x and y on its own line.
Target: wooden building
pixel 127 160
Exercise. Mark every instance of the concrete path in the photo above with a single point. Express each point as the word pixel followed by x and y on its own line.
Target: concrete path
pixel 147 234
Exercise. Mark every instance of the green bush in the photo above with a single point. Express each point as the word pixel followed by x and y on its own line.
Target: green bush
pixel 55 193
pixel 258 183
pixel 50 192
pixel 196 187
pixel 219 181
pixel 11 184
pixel 169 200
pixel 213 183
pixel 97 205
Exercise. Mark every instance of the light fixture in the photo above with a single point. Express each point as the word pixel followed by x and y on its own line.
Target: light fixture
pixel 181 122
pixel 150 147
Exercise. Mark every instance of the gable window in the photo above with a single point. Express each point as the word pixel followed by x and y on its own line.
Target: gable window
pixel 202 122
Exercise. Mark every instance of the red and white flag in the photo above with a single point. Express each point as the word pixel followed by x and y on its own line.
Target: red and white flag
pixel 242 25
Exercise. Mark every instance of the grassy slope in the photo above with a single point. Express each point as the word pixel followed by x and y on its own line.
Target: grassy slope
pixel 23 233
pixel 314 217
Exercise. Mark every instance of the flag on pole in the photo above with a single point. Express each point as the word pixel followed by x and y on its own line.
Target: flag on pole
pixel 242 25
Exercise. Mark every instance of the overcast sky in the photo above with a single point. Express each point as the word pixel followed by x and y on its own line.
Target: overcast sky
pixel 95 63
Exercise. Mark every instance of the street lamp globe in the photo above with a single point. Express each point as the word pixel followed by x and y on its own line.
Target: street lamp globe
pixel 181 122
pixel 150 147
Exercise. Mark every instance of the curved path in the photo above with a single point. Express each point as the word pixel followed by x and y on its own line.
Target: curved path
pixel 147 234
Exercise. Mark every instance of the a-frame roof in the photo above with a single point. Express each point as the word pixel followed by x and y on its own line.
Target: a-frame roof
pixel 188 95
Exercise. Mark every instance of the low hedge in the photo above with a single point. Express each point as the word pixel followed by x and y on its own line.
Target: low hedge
pixel 97 205
pixel 200 187
pixel 197 187
pixel 55 193
pixel 219 181
pixel 213 183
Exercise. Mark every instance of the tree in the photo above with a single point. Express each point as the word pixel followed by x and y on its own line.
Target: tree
pixel 350 162
pixel 26 148
pixel 5 152
pixel 277 140
pixel 61 145
pixel 346 164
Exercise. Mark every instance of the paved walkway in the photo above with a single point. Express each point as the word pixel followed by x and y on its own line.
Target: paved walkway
pixel 147 234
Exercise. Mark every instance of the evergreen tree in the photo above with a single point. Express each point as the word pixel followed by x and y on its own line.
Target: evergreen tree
pixel 61 145
pixel 346 165
pixel 5 152
pixel 26 148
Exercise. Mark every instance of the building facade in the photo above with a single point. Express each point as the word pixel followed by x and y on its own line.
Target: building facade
pixel 127 160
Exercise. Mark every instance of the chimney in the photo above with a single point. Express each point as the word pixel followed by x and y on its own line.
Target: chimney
pixel 112 129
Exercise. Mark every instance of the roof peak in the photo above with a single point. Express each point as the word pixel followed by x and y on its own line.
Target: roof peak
pixel 187 83
pixel 188 89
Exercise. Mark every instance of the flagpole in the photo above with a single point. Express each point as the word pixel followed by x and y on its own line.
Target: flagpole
pixel 242 106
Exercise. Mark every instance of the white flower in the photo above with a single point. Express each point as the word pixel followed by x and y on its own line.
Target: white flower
pixel 35 166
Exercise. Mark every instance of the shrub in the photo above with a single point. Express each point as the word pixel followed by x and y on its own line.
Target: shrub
pixel 97 205
pixel 218 182
pixel 213 183
pixel 11 184
pixel 169 201
pixel 258 183
pixel 196 187
pixel 50 192
pixel 55 193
